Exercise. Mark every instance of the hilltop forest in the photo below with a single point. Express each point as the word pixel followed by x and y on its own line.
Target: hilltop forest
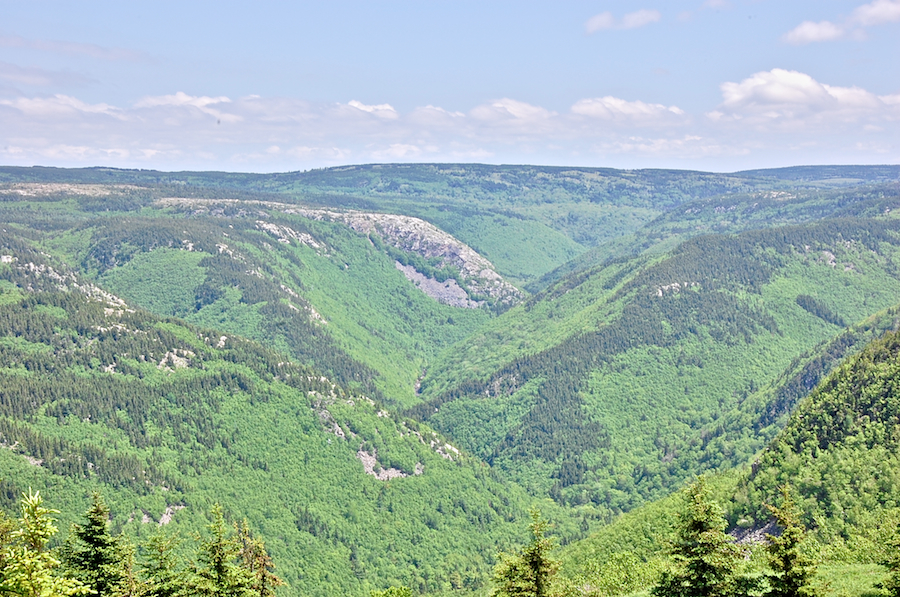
pixel 448 379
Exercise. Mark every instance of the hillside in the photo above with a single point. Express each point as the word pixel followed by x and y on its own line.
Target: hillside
pixel 370 362
pixel 838 452
pixel 620 382
pixel 167 419
pixel 527 220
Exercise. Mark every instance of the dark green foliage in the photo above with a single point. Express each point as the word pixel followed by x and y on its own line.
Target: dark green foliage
pixel 219 571
pixel 529 572
pixel 792 569
pixel 163 571
pixel 94 556
pixel 705 556
pixel 817 308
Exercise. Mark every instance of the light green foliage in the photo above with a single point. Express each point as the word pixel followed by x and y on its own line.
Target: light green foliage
pixel 393 592
pixel 28 567
pixel 105 404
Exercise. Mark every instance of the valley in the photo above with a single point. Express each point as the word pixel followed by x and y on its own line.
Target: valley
pixel 382 368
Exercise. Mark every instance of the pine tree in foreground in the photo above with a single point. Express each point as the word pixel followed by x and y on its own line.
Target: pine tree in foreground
pixel 705 555
pixel 792 570
pixel 530 572
pixel 95 557
pixel 219 571
pixel 28 569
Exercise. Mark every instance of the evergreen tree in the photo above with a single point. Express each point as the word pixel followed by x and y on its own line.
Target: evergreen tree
pixel 704 553
pixel 792 570
pixel 163 573
pixel 98 559
pixel 530 572
pixel 29 570
pixel 219 572
pixel 257 561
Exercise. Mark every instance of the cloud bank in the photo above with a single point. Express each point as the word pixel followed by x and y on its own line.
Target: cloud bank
pixel 767 114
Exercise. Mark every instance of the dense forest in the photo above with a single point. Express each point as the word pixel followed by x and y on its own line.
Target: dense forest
pixel 449 380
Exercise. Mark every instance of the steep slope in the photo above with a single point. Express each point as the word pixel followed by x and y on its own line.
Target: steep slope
pixel 353 303
pixel 526 219
pixel 841 450
pixel 839 453
pixel 167 419
pixel 618 383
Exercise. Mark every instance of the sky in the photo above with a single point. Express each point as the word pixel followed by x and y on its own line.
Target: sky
pixel 716 85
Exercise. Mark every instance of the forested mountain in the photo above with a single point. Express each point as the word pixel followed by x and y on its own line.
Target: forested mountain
pixel 168 418
pixel 620 382
pixel 838 454
pixel 371 362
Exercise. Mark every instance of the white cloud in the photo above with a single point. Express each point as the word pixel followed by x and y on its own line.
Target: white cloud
pixel 380 110
pixel 180 131
pixel 510 110
pixel 58 105
pixel 604 20
pixel 202 104
pixel 809 32
pixel 642 17
pixel 796 99
pixel 632 20
pixel 613 108
pixel 876 13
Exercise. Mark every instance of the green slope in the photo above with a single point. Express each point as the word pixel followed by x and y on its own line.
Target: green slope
pixel 838 451
pixel 159 414
pixel 617 384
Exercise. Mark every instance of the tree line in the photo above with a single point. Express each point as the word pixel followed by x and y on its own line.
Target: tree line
pixel 228 561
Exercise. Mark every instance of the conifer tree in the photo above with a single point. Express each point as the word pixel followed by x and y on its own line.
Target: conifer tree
pixel 704 553
pixel 97 558
pixel 792 570
pixel 257 561
pixel 163 573
pixel 219 572
pixel 29 570
pixel 530 572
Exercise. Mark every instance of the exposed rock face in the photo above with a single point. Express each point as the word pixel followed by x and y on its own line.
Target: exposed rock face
pixel 406 233
pixel 418 236
pixel 448 292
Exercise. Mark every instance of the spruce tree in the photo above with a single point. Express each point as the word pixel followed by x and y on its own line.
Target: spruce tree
pixel 28 567
pixel 163 573
pixel 219 572
pixel 257 561
pixel 95 557
pixel 792 570
pixel 705 555
pixel 530 572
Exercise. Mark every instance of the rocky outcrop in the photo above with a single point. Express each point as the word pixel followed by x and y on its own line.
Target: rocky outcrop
pixel 415 235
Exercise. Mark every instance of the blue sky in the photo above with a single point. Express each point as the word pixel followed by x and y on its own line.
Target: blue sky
pixel 716 85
